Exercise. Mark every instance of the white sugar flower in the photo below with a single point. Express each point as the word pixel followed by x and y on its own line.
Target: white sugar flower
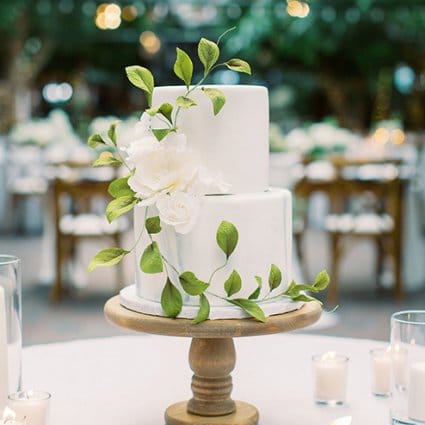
pixel 162 167
pixel 205 181
pixel 179 210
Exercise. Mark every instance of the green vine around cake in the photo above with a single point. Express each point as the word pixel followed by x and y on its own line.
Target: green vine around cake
pixel 126 196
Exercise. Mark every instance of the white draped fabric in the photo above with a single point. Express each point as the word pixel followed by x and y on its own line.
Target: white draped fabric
pixel 132 379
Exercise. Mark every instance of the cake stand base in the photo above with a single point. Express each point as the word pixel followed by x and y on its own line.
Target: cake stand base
pixel 212 357
pixel 245 414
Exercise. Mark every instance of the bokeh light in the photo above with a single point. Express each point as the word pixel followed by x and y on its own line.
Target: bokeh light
pixel 397 136
pixel 381 135
pixel 129 13
pixel 108 16
pixel 57 92
pixel 297 8
pixel 150 42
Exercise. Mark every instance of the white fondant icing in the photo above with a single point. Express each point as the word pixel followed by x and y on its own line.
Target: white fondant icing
pixel 264 225
pixel 236 141
pixel 130 300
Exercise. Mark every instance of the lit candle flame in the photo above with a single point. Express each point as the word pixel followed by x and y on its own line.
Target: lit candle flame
pixel 330 355
pixel 8 414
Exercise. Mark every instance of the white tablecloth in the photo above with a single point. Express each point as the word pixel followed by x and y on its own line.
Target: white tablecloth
pixel 132 379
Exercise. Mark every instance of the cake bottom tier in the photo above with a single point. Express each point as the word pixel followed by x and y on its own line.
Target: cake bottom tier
pixel 131 300
pixel 264 225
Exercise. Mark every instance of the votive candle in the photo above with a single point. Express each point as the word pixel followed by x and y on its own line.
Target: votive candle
pixel 330 373
pixel 381 371
pixel 32 407
pixel 416 392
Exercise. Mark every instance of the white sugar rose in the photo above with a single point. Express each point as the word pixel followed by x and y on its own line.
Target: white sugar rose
pixel 161 168
pixel 179 210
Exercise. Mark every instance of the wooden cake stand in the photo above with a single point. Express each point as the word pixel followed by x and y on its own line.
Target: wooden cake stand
pixel 212 358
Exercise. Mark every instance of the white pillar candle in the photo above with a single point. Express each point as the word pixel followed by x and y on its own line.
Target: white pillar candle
pixel 381 371
pixel 416 392
pixel 32 407
pixel 330 370
pixel 4 369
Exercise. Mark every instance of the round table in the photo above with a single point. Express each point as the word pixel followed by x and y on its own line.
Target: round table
pixel 127 379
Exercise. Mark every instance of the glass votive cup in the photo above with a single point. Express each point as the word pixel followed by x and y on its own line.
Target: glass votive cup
pixel 330 372
pixel 31 407
pixel 408 389
pixel 381 371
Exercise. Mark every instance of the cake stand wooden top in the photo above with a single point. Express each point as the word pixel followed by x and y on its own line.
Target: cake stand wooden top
pixel 308 314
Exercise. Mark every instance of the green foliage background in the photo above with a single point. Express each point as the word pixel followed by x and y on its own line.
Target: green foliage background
pixel 337 61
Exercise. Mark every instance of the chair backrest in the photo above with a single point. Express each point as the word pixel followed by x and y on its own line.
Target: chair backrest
pixel 354 177
pixel 79 197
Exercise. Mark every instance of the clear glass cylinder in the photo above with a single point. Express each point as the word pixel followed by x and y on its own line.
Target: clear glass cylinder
pixel 408 367
pixel 10 327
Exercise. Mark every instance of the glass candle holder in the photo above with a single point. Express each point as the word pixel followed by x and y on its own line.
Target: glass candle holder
pixel 10 327
pixel 381 371
pixel 408 367
pixel 31 407
pixel 330 378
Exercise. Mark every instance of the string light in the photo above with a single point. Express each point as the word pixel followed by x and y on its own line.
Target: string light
pixel 381 135
pixel 129 13
pixel 398 136
pixel 108 16
pixel 150 42
pixel 297 8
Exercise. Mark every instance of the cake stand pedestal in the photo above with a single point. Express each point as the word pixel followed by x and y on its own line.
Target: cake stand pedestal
pixel 212 358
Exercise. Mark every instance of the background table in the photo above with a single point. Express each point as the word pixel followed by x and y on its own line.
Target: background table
pixel 132 379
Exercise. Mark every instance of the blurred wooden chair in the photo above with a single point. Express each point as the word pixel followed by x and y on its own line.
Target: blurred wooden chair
pixel 76 218
pixel 382 220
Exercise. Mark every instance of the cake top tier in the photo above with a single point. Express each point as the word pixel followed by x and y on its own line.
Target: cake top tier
pixel 234 142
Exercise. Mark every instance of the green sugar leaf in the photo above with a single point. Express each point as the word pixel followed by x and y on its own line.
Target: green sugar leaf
pixel 217 98
pixel 183 67
pixel 119 188
pixel 257 292
pixel 142 78
pixel 165 110
pixel 107 159
pixel 95 140
pixel 233 284
pixel 291 290
pixel 227 237
pixel 191 284
pixel 107 257
pixel 171 300
pixel 153 225
pixel 302 287
pixel 204 310
pixel 112 132
pixel 185 102
pixel 238 65
pixel 252 308
pixel 120 206
pixel 151 260
pixel 305 298
pixel 208 53
pixel 275 277
pixel 161 133
pixel 322 281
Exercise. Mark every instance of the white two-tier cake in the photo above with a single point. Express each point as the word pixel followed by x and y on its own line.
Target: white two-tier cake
pixel 234 146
